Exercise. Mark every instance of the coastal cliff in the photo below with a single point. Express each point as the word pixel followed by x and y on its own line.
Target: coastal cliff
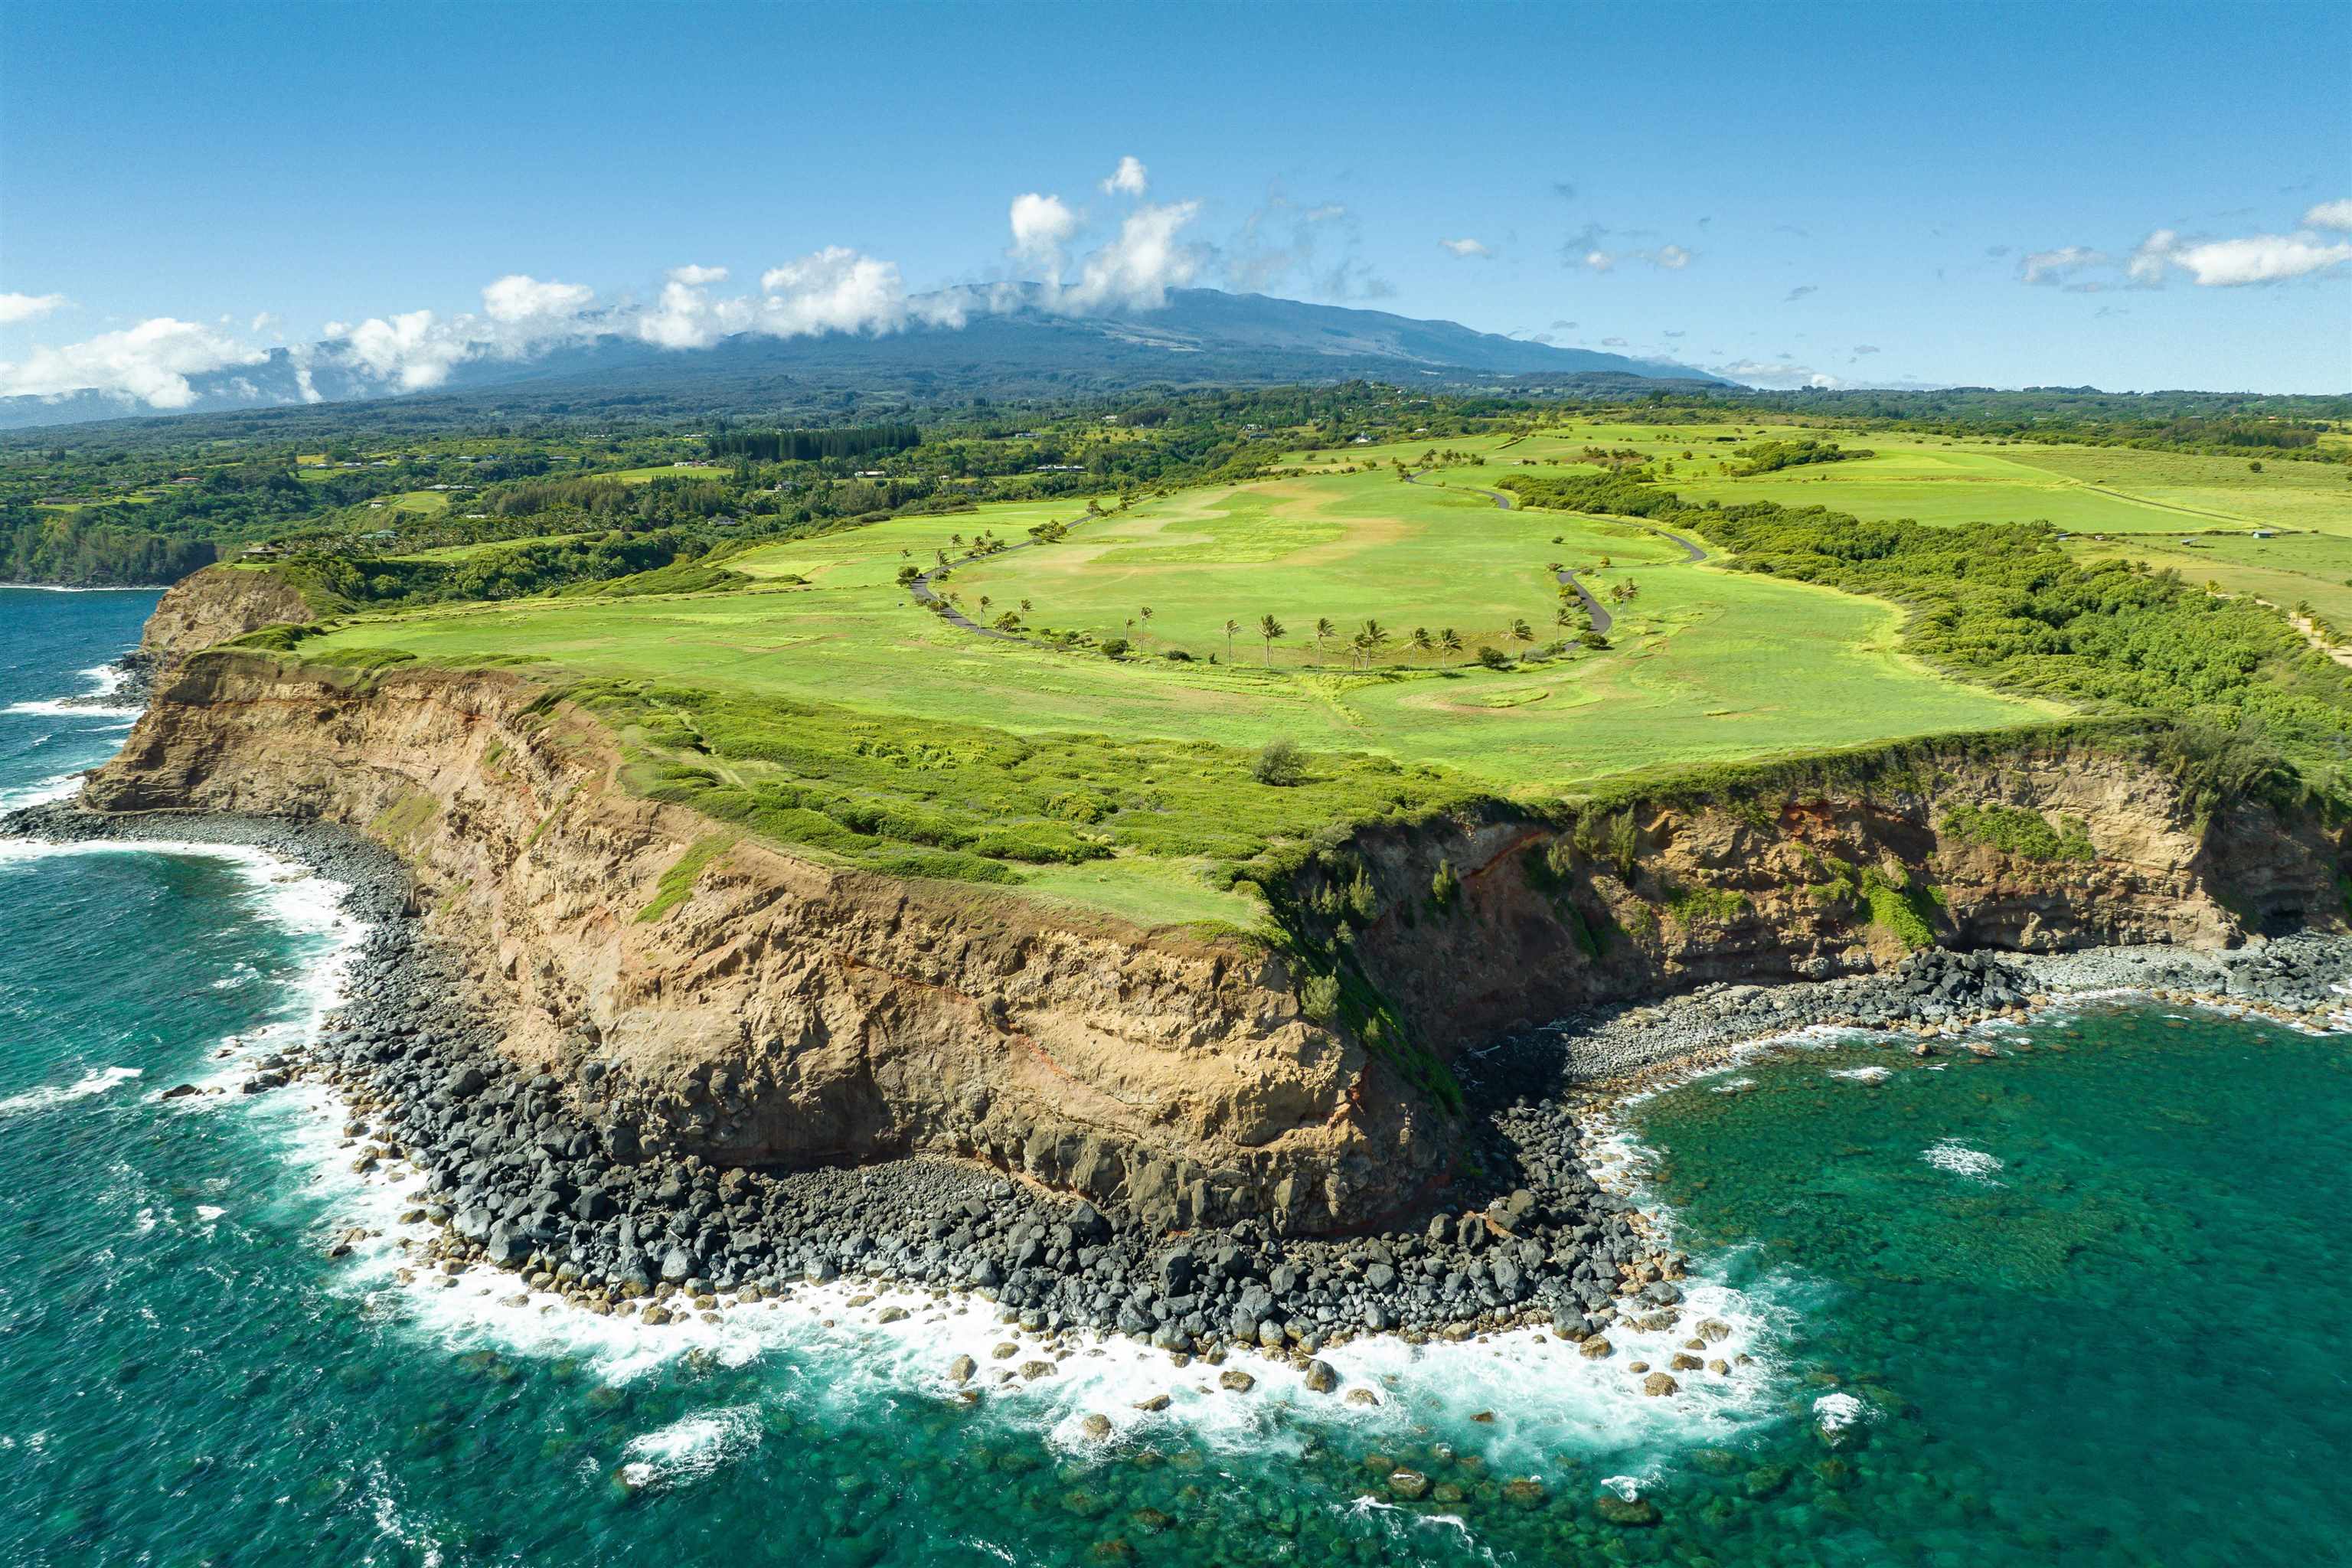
pixel 694 991
pixel 2031 843
pixel 703 992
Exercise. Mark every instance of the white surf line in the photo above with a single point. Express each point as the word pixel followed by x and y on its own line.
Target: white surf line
pixel 106 680
pixel 853 1342
pixel 97 1081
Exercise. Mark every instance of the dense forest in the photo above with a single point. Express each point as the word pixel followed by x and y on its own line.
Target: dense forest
pixel 812 446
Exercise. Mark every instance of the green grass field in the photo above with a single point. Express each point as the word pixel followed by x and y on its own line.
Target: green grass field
pixel 2286 570
pixel 1706 665
pixel 1934 478
pixel 658 471
pixel 483 547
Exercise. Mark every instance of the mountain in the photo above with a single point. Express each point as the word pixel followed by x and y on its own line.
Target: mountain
pixel 1199 336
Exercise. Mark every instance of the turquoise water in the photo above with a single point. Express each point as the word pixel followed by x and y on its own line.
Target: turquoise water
pixel 2084 1303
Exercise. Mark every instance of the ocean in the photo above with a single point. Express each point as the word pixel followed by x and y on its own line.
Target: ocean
pixel 2083 1301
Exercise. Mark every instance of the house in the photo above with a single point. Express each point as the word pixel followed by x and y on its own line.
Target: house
pixel 2261 533
pixel 263 551
pixel 873 473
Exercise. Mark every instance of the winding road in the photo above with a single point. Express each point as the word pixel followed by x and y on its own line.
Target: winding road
pixel 1601 619
pixel 920 586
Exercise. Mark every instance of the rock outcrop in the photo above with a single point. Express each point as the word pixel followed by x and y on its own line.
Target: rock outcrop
pixel 212 605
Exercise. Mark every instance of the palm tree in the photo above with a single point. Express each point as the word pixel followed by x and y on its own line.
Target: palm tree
pixel 1449 640
pixel 1324 629
pixel 1374 636
pixel 1233 630
pixel 1360 645
pixel 1269 629
pixel 984 601
pixel 1518 629
pixel 1145 611
pixel 1024 606
pixel 1422 641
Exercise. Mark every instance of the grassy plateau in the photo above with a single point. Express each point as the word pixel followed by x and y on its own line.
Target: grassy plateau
pixel 816 701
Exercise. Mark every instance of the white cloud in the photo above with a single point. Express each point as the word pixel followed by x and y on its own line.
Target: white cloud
pixel 1669 257
pixel 413 350
pixel 2057 265
pixel 685 315
pixel 2210 263
pixel 1042 225
pixel 264 322
pixel 1777 374
pixel 836 290
pixel 519 296
pixel 149 364
pixel 1129 179
pixel 1282 240
pixel 1135 269
pixel 2145 266
pixel 2259 258
pixel 15 308
pixel 1466 248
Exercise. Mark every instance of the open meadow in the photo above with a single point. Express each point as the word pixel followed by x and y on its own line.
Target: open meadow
pixel 825 641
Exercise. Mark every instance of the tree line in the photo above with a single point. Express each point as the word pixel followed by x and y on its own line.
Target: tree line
pixel 813 445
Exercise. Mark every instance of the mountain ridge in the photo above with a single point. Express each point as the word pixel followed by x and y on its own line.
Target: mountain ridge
pixel 1200 335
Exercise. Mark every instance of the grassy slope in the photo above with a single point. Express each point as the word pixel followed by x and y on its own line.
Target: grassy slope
pixel 1709 665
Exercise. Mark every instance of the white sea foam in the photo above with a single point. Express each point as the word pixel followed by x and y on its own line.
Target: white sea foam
pixel 58 786
pixel 1951 1154
pixel 106 680
pixel 1863 1074
pixel 691 1447
pixel 82 1088
pixel 1836 1412
pixel 60 588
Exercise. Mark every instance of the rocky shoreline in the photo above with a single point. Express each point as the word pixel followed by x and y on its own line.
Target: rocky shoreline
pixel 524 1174
pixel 521 1174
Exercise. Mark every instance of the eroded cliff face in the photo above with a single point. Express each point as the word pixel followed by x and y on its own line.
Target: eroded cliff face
pixel 703 992
pixel 2045 846
pixel 699 991
pixel 214 605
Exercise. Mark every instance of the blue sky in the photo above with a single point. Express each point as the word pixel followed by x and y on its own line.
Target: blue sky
pixel 2135 196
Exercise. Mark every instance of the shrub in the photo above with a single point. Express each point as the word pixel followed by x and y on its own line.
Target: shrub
pixel 1444 886
pixel 1280 764
pixel 1114 648
pixel 1494 658
pixel 1319 997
